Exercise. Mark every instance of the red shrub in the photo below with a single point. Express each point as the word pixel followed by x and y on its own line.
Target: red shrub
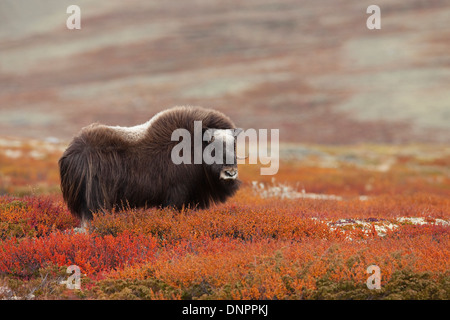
pixel 91 253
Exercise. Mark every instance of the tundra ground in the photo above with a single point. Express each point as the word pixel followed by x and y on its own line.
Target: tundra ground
pixel 310 232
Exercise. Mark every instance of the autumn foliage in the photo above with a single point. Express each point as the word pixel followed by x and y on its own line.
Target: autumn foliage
pixel 290 245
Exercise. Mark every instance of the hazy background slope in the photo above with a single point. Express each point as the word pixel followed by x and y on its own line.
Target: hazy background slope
pixel 310 68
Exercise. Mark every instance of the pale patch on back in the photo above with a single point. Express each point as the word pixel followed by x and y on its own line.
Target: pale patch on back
pixel 225 135
pixel 135 133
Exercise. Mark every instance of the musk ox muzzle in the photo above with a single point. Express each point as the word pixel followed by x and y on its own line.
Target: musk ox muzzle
pixel 229 173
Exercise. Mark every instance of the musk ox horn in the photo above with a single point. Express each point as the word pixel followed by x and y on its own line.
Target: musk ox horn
pixel 241 158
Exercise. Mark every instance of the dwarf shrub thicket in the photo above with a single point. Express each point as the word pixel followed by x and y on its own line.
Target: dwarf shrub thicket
pixel 252 247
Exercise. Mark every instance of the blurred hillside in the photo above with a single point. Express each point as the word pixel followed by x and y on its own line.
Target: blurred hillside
pixel 310 68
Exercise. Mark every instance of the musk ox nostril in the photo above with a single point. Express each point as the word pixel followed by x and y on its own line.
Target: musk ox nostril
pixel 229 174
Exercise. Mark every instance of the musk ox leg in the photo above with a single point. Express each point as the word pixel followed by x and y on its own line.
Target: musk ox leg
pixel 85 221
pixel 85 224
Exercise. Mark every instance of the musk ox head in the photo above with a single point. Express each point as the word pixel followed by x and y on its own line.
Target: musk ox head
pixel 219 153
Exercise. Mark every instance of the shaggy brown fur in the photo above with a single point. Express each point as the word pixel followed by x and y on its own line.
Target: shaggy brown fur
pixel 102 169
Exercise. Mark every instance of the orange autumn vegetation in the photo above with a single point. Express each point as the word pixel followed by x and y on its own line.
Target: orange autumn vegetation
pixel 249 248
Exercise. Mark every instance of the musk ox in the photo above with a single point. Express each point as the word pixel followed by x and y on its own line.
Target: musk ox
pixel 106 167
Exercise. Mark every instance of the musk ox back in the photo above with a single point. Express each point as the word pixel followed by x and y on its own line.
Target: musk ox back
pixel 106 166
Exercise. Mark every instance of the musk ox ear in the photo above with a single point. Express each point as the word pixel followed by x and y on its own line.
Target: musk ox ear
pixel 237 131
